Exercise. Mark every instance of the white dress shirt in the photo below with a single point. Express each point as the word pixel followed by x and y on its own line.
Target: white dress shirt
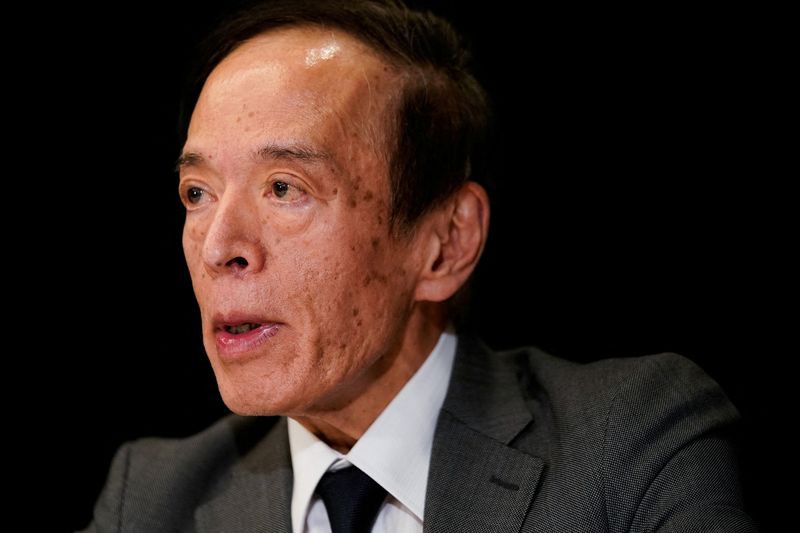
pixel 395 451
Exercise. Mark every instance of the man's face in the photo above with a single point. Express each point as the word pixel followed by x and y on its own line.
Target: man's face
pixel 303 293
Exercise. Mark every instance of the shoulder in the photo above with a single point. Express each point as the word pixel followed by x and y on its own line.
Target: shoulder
pixel 616 383
pixel 224 441
pixel 562 394
pixel 217 446
pixel 619 399
pixel 646 440
pixel 155 483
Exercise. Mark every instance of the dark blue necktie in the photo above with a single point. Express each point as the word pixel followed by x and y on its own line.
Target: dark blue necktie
pixel 351 498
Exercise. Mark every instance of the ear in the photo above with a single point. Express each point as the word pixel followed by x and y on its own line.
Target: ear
pixel 455 243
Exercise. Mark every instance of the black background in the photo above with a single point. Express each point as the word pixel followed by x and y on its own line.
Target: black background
pixel 635 212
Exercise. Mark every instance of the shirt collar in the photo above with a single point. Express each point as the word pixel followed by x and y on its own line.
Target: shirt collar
pixel 395 450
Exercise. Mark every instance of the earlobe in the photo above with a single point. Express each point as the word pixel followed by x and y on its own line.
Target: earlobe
pixel 457 241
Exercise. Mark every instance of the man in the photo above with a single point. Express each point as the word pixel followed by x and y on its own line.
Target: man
pixel 332 217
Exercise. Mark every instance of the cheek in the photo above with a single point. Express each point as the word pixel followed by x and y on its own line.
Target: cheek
pixel 194 235
pixel 349 287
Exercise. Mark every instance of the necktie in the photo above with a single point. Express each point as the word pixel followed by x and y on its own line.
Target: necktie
pixel 351 498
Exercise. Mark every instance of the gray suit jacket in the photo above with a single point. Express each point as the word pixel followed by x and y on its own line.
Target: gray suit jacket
pixel 524 442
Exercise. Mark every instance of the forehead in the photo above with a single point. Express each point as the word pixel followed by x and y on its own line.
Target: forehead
pixel 297 79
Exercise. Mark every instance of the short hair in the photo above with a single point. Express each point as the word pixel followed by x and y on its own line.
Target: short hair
pixel 437 137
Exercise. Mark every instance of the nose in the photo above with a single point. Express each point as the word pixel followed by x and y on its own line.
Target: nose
pixel 233 243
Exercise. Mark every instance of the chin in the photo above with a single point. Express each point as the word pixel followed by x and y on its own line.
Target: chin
pixel 245 403
pixel 270 382
pixel 241 391
pixel 246 392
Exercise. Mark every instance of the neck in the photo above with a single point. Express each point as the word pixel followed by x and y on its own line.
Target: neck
pixel 340 428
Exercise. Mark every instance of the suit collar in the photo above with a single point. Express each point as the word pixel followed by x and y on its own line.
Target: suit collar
pixel 477 481
pixel 485 392
pixel 256 494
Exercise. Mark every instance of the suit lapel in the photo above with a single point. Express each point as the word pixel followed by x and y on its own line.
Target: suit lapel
pixel 256 496
pixel 477 482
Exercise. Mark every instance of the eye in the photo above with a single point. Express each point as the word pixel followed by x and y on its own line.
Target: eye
pixel 285 192
pixel 194 196
pixel 280 188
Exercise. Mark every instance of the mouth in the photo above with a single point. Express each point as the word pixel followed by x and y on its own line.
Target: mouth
pixel 239 338
pixel 241 328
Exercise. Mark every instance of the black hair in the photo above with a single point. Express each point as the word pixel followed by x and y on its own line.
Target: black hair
pixel 437 137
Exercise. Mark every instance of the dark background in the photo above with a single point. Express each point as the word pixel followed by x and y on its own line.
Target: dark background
pixel 636 211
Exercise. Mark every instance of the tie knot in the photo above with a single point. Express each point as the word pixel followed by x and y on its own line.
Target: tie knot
pixel 352 499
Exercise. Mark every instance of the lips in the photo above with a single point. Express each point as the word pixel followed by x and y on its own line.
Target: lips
pixel 239 336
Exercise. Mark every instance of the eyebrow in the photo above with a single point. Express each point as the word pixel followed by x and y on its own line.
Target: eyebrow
pixel 292 152
pixel 189 159
pixel 284 152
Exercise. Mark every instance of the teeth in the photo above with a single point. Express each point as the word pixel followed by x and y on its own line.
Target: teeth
pixel 241 328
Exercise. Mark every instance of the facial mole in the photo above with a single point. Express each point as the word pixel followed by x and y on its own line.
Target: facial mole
pixel 368 196
pixel 352 202
pixel 355 311
pixel 359 322
pixel 375 242
pixel 367 280
pixel 336 190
